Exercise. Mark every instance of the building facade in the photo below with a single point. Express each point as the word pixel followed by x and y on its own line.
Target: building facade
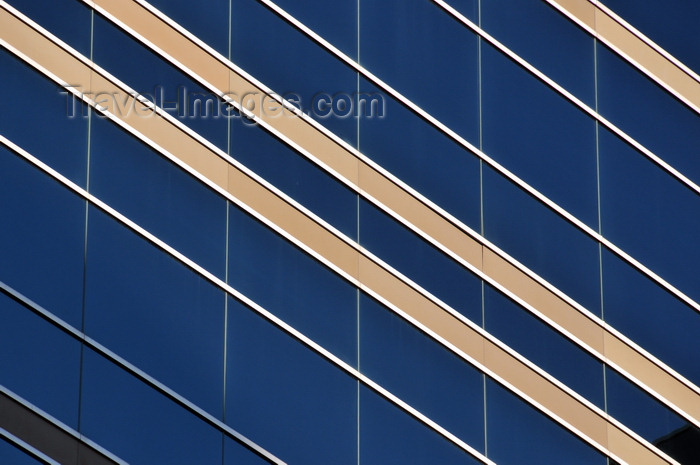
pixel 350 232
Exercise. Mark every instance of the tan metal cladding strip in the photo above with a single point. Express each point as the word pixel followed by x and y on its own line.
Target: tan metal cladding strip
pixel 644 57
pixel 368 180
pixel 485 353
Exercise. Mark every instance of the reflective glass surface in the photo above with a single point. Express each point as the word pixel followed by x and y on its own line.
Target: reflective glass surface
pixel 39 362
pixel 237 454
pixel 295 175
pixel 39 116
pixel 285 397
pixel 155 312
pixel 418 370
pixel 649 214
pixel 541 240
pixel 42 238
pixel 439 74
pixel 547 40
pixel 520 435
pixel 422 157
pixel 137 423
pixel 419 261
pixel 389 435
pixel 539 136
pixel 9 453
pixel 543 346
pixel 157 195
pixel 292 285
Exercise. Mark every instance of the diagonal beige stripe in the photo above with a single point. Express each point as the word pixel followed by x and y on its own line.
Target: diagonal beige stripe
pixel 605 26
pixel 583 327
pixel 484 352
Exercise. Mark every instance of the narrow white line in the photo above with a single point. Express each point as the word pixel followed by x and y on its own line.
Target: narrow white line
pixel 27 448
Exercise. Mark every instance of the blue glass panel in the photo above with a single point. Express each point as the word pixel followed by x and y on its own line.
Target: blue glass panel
pixel 672 24
pixel 38 115
pixel 422 157
pixel 285 397
pixel 67 19
pixel 292 285
pixel 12 455
pixel 40 363
pixel 648 113
pixel 651 317
pixel 649 215
pixel 158 81
pixel 155 312
pixel 542 138
pixel 429 57
pixel 295 175
pixel 469 8
pixel 138 424
pixel 543 346
pixel 520 435
pixel 293 66
pixel 389 435
pixel 547 40
pixel 207 20
pixel 336 22
pixel 541 240
pixel 421 372
pixel 158 195
pixel 420 261
pixel 637 410
pixel 237 454
pixel 42 240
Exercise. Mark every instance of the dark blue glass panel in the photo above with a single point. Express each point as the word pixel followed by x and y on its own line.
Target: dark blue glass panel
pixel 421 262
pixel 518 434
pixel 421 372
pixel 336 22
pixel 42 238
pixel 429 57
pixel 38 115
pixel 237 454
pixel 541 240
pixel 207 20
pixel 157 195
pixel 543 346
pixel 648 113
pixel 40 363
pixel 422 157
pixel 292 285
pixel 285 397
pixel 639 411
pixel 295 67
pixel 137 423
pixel 547 40
pixel 158 81
pixel 672 24
pixel 542 138
pixel 390 435
pixel 295 175
pixel 469 8
pixel 69 20
pixel 651 317
pixel 155 312
pixel 12 455
pixel 649 214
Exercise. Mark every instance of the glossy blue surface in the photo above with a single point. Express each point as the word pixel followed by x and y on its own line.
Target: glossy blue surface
pixel 9 453
pixel 237 454
pixel 292 285
pixel 414 367
pixel 42 240
pixel 155 312
pixel 40 363
pixel 137 423
pixel 543 346
pixel 285 397
pixel 158 195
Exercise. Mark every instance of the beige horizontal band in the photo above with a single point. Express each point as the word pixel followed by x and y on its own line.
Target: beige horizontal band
pixel 584 327
pixel 621 38
pixel 486 353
